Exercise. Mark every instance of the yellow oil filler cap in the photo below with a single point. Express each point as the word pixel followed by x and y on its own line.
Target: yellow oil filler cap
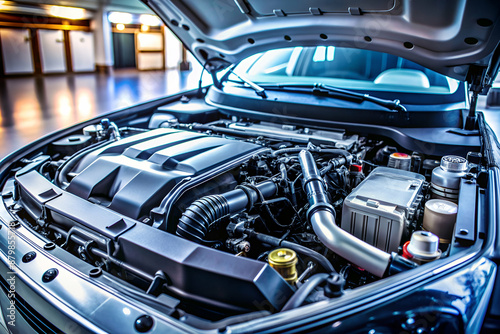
pixel 284 261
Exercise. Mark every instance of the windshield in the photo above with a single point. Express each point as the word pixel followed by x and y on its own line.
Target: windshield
pixel 346 68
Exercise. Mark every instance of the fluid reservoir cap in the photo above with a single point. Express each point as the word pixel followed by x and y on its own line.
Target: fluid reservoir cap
pixel 399 160
pixel 283 260
pixel 424 246
pixel 453 163
pixel 356 168
pixel 448 176
pixel 399 155
pixel 442 207
pixel 282 257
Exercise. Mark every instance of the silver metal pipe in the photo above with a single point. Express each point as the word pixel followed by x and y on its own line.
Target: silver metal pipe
pixel 348 246
pixel 113 128
pixel 322 218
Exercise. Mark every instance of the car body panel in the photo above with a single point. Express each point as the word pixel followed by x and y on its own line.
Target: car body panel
pixel 142 270
pixel 445 36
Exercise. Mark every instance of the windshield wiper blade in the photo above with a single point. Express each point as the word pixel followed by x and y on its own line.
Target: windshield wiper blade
pixel 337 92
pixel 347 95
pixel 322 89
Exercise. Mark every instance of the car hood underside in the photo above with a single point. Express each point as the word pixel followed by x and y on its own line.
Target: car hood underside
pixel 446 36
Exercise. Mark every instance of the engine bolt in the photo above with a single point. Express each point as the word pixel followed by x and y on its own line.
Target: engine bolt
pixel 14 224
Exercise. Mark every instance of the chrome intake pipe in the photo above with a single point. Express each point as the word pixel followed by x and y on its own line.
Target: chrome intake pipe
pixel 348 246
pixel 321 215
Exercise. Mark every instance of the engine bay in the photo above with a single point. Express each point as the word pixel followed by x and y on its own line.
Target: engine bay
pixel 229 216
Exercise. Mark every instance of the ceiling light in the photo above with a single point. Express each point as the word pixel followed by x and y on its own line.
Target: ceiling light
pixel 120 26
pixel 119 17
pixel 150 20
pixel 144 28
pixel 71 13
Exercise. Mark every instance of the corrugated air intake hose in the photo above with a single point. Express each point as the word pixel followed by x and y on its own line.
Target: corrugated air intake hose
pixel 205 213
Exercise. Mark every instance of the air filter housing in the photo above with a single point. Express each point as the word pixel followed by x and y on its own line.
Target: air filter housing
pixel 377 211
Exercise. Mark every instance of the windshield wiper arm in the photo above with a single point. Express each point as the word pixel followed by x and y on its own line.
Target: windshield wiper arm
pixel 389 104
pixel 347 95
pixel 322 89
pixel 258 89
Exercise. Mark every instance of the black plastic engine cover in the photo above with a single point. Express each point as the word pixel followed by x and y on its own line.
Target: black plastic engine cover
pixel 197 273
pixel 133 175
pixel 203 274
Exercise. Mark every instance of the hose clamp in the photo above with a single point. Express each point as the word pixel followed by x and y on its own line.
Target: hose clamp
pixel 320 207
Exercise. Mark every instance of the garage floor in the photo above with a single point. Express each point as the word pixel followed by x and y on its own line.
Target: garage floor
pixel 31 107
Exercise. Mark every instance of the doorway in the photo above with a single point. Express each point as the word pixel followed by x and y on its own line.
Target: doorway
pixel 52 51
pixel 124 50
pixel 16 51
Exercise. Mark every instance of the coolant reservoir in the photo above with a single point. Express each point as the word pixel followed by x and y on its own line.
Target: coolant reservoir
pixel 439 218
pixel 445 180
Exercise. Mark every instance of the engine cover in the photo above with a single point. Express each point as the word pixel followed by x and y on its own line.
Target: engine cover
pixel 131 176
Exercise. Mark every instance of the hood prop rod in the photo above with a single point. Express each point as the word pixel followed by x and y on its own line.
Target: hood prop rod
pixel 480 83
pixel 475 87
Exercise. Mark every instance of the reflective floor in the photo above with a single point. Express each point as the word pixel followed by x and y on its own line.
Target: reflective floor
pixel 31 107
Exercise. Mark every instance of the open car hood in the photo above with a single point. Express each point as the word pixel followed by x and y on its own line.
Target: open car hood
pixel 446 36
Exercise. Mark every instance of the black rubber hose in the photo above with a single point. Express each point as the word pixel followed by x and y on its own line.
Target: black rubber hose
pixel 200 217
pixel 338 151
pixel 323 261
pixel 301 294
pixel 204 214
pixel 288 150
pixel 276 242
